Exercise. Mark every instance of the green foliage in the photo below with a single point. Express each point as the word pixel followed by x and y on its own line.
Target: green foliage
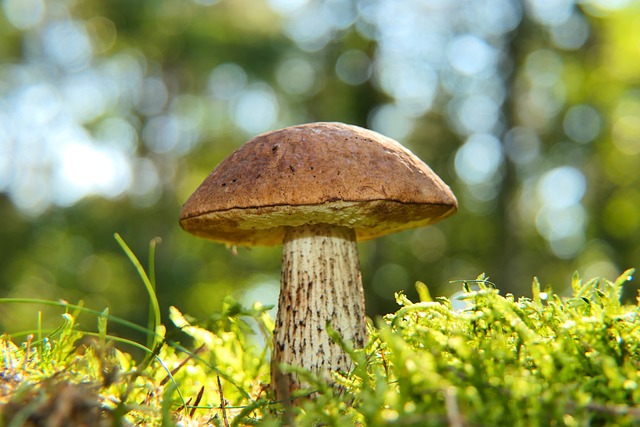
pixel 70 375
pixel 545 360
pixel 105 383
pixel 540 361
pixel 150 68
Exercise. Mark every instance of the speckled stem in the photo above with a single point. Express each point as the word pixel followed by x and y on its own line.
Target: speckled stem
pixel 321 283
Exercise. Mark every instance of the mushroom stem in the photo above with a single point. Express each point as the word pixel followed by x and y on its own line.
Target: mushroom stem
pixel 321 283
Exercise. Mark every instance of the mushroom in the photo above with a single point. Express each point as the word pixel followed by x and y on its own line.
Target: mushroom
pixel 317 188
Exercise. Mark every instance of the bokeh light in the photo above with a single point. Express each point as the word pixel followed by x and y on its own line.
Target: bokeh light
pixel 353 67
pixel 529 110
pixel 226 81
pixel 582 123
pixel 561 219
pixel 550 12
pixel 562 187
pixel 471 55
pixel 24 14
pixel 479 158
pixel 391 120
pixel 626 126
pixel 255 110
pixel 299 76
pixel 522 145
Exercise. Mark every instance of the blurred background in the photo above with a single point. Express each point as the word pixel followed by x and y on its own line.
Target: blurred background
pixel 113 111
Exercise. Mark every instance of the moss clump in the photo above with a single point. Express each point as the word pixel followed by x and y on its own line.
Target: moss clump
pixel 501 361
pixel 498 361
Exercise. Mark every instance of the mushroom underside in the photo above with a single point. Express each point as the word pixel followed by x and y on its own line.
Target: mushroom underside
pixel 265 225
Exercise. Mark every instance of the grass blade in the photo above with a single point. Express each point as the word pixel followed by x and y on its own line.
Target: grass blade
pixel 151 322
pixel 82 309
pixel 154 315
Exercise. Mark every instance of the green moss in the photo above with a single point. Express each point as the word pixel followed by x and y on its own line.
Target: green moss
pixel 540 361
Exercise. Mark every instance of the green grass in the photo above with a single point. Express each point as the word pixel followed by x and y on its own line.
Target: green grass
pixel 501 361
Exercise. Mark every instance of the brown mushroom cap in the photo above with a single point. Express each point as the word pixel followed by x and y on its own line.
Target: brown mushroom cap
pixel 328 173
